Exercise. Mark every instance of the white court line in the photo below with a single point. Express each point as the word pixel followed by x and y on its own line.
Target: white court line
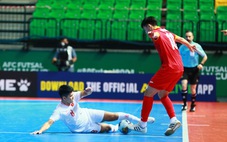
pixel 28 103
pixel 14 133
pixel 88 134
pixel 185 127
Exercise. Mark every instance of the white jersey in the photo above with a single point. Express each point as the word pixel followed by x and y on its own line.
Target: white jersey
pixel 78 119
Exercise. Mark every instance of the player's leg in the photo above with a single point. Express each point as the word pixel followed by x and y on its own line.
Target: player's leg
pixel 108 128
pixel 184 84
pixel 94 127
pixel 146 109
pixel 193 97
pixel 167 103
pixel 147 104
pixel 184 93
pixel 194 79
pixel 96 117
pixel 110 116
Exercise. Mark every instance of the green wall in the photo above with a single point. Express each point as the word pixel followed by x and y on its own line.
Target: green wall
pixel 122 62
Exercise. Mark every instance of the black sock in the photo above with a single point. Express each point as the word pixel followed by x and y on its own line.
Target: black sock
pixel 193 98
pixel 184 94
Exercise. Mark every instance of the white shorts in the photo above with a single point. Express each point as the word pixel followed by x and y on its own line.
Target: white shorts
pixel 96 116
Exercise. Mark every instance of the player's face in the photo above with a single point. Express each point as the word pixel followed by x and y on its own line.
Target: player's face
pixel 147 28
pixel 189 36
pixel 69 99
pixel 65 41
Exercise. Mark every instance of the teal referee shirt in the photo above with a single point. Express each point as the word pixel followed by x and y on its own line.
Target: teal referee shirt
pixel 191 59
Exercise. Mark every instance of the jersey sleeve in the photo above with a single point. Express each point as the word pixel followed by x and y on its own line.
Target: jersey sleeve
pixel 77 96
pixel 56 54
pixel 55 116
pixel 200 50
pixel 73 53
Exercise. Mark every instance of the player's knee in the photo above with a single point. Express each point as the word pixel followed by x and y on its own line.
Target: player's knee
pixel 115 116
pixel 110 116
pixel 105 128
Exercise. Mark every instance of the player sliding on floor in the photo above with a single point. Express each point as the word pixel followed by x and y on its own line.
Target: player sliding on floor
pixel 83 119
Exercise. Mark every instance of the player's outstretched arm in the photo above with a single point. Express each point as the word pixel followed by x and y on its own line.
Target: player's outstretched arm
pixel 185 42
pixel 224 32
pixel 87 91
pixel 44 127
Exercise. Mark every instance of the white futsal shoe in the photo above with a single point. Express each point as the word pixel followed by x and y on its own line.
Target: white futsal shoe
pixel 137 127
pixel 173 127
pixel 151 120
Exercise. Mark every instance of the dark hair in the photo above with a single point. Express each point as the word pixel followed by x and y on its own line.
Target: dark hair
pixel 188 31
pixel 62 38
pixel 149 20
pixel 65 90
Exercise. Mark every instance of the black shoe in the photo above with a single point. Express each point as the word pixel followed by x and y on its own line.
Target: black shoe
pixel 192 108
pixel 184 107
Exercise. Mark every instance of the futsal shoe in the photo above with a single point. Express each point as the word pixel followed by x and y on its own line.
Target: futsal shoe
pixel 173 127
pixel 192 108
pixel 151 120
pixel 184 107
pixel 138 128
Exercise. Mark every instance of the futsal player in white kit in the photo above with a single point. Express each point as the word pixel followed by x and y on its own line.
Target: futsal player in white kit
pixel 83 119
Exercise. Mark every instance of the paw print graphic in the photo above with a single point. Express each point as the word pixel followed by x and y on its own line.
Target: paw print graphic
pixel 23 85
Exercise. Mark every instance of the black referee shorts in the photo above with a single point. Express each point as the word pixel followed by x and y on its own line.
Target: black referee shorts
pixel 191 74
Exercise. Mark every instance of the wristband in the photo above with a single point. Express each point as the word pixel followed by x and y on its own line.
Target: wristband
pixel 201 64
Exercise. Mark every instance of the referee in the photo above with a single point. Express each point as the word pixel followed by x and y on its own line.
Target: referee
pixel 192 66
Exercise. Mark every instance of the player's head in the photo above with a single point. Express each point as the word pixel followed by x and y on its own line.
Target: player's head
pixel 149 23
pixel 64 91
pixel 64 42
pixel 189 36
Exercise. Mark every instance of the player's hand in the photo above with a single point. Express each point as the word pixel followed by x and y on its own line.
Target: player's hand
pixel 88 90
pixel 200 66
pixel 57 62
pixel 224 32
pixel 36 133
pixel 192 48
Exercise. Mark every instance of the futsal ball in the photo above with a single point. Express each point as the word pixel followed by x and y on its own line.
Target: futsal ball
pixel 123 126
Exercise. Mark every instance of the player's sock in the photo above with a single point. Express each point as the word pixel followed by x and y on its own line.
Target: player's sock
pixel 168 106
pixel 184 94
pixel 114 128
pixel 193 98
pixel 173 119
pixel 122 115
pixel 146 108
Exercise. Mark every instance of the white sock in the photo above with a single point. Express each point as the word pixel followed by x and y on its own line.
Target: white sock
pixel 143 124
pixel 114 128
pixel 173 119
pixel 122 115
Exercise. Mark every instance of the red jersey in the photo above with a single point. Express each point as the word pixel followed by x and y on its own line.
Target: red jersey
pixel 168 50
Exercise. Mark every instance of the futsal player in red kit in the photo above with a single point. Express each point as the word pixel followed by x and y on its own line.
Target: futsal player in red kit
pixel 163 82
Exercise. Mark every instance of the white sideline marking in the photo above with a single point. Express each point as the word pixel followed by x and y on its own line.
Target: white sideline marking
pixel 185 127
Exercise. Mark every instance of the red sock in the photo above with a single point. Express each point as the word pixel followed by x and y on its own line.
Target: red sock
pixel 146 108
pixel 168 106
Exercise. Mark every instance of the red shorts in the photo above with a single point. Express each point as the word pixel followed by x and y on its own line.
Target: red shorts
pixel 165 80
